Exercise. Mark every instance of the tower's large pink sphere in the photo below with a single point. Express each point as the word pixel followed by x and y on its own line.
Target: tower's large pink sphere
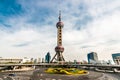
pixel 59 49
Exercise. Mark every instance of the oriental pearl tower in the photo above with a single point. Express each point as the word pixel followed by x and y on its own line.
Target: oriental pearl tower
pixel 59 48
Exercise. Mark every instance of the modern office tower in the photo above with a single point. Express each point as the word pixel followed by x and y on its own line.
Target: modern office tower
pixel 47 58
pixel 116 58
pixel 92 57
pixel 58 57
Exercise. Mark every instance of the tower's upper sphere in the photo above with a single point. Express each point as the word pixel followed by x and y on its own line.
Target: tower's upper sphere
pixel 59 24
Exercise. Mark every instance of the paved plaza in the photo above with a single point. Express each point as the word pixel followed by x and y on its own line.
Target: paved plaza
pixel 39 74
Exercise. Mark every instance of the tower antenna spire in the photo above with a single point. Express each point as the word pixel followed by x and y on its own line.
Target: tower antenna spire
pixel 59 15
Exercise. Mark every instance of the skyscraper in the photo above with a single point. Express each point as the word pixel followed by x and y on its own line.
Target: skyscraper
pixel 47 57
pixel 92 57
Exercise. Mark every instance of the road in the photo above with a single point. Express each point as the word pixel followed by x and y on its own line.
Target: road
pixel 19 75
pixel 115 76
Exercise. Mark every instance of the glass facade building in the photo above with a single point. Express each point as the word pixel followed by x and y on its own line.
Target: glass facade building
pixel 47 58
pixel 116 58
pixel 92 57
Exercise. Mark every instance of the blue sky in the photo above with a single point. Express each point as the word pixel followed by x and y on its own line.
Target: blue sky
pixel 28 28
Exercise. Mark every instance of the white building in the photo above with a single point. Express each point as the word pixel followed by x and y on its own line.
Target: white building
pixel 3 60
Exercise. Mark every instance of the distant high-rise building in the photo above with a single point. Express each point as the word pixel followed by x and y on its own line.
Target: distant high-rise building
pixel 39 60
pixel 47 57
pixel 92 57
pixel 32 60
pixel 116 58
pixel 43 60
pixel 35 60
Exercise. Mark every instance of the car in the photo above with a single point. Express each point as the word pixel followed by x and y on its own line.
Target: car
pixel 11 74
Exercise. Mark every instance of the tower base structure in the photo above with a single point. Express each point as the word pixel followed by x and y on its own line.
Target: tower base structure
pixel 58 57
